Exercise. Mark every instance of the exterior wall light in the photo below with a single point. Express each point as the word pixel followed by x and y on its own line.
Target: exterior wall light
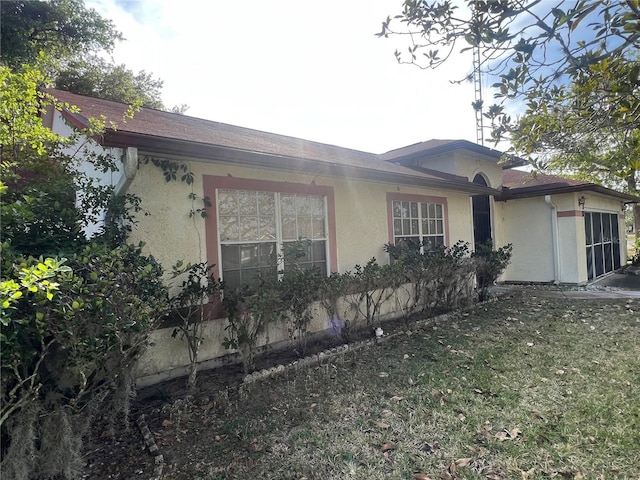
pixel 582 201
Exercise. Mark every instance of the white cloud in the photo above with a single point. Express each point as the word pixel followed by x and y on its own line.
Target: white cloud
pixel 313 70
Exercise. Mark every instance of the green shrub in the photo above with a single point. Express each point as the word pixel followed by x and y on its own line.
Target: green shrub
pixel 490 264
pixel 71 333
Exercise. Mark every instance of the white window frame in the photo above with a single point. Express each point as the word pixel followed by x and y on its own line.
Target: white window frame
pixel 421 236
pixel 279 240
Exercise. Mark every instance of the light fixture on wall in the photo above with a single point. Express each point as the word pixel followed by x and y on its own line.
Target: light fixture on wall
pixel 582 201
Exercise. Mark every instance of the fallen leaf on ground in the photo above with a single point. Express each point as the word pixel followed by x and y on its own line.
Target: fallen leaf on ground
pixel 396 398
pixel 421 476
pixel 386 413
pixel 508 434
pixel 388 446
pixel 383 374
pixel 167 423
pixel 463 462
pixel 382 425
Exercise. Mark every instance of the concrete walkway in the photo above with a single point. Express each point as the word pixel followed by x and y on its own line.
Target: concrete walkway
pixel 613 285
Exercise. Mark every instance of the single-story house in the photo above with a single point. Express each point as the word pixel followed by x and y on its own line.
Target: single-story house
pixel 266 189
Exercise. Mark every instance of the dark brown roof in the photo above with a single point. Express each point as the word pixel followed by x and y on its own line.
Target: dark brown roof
pixel 159 132
pixel 520 184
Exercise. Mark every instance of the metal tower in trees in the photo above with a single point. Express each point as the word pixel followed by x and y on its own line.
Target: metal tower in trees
pixel 477 105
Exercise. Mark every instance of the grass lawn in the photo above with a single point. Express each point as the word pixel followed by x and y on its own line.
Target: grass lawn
pixel 525 388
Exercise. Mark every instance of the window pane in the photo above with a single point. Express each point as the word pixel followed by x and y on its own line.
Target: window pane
pixel 397 209
pixel 599 260
pixel 266 204
pixel 606 228
pixel 587 228
pixel 425 226
pixel 597 229
pixel 248 255
pixel 424 209
pixel 249 228
pixel 608 258
pixel 227 202
pixel 397 227
pixel 405 209
pixel 432 226
pixel 289 229
pixel 317 206
pixel 304 227
pixel 318 228
pixel 267 228
pixel 406 227
pixel 247 202
pixel 439 211
pixel 432 210
pixel 319 251
pixel 440 227
pixel 229 229
pixel 615 234
pixel 266 254
pixel 230 257
pixel 414 227
pixel 414 210
pixel 303 205
pixel 288 205
pixel 590 261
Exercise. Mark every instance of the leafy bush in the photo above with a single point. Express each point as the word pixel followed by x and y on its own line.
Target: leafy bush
pixel 194 304
pixel 250 310
pixel 71 333
pixel 490 264
pixel 439 277
pixel 71 329
pixel 299 288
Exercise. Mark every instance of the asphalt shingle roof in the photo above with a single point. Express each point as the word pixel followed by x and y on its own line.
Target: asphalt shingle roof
pixel 156 124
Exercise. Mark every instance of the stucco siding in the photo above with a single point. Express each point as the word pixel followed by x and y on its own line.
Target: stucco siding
pixel 360 212
pixel 527 225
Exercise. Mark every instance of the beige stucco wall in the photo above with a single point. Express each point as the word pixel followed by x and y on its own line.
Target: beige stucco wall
pixel 527 224
pixel 467 164
pixel 171 234
pixel 361 212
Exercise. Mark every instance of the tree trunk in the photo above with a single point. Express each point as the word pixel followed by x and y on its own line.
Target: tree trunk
pixel 632 185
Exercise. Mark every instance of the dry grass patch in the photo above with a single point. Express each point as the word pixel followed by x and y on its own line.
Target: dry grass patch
pixel 525 388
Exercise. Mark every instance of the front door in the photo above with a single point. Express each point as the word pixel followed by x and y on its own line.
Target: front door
pixel 481 214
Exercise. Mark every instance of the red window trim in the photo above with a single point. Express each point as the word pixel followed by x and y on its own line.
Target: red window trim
pixel 213 182
pixel 410 197
pixel 570 213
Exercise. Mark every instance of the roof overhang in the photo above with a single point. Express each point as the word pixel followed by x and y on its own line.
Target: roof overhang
pixel 495 155
pixel 558 189
pixel 154 145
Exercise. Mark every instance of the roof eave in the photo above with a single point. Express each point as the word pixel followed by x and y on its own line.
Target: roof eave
pixel 512 162
pixel 206 152
pixel 539 191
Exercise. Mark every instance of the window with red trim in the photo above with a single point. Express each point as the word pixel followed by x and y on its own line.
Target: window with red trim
pixel 254 226
pixel 418 223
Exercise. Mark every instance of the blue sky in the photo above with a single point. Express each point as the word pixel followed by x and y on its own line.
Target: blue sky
pixel 313 70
